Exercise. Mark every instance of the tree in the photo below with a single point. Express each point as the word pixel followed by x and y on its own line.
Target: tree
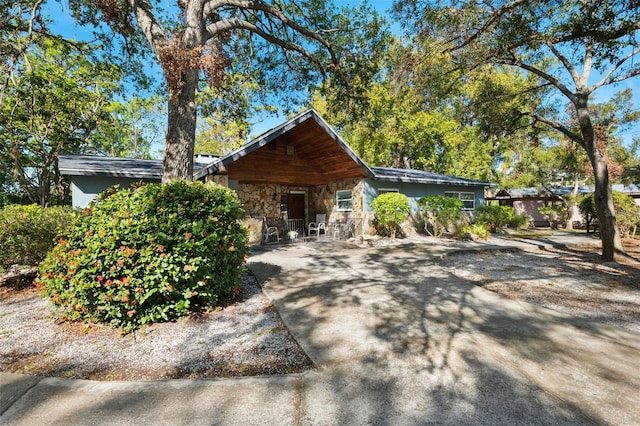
pixel 20 22
pixel 287 45
pixel 53 104
pixel 628 210
pixel 631 173
pixel 131 130
pixel 575 47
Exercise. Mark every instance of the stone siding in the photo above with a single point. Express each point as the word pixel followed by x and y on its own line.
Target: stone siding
pixel 264 200
pixel 259 200
pixel 222 180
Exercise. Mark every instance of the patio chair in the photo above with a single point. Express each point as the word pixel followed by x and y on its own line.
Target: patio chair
pixel 319 225
pixel 268 232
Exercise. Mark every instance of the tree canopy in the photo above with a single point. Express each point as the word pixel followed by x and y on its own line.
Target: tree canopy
pixel 53 104
pixel 280 48
pixel 572 48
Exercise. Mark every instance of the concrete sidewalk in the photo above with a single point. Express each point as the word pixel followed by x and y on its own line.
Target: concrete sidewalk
pixel 397 340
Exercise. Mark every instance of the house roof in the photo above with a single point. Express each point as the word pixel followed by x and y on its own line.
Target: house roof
pixel 630 189
pixel 90 165
pixel 94 165
pixel 419 176
pixel 304 150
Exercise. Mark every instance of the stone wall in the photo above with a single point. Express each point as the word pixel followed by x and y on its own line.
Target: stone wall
pixel 323 200
pixel 222 180
pixel 264 200
pixel 260 200
pixel 254 226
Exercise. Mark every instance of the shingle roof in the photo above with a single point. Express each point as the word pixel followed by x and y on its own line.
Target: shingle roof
pixel 85 165
pixel 93 165
pixel 90 165
pixel 563 190
pixel 420 176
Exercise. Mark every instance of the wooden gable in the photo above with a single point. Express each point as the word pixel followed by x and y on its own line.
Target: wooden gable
pixel 304 155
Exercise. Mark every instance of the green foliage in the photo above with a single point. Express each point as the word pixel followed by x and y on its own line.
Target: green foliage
pixel 518 221
pixel 441 212
pixel 496 217
pixel 554 214
pixel 147 254
pixel 627 212
pixel 473 231
pixel 391 209
pixel 27 233
pixel 398 129
pixel 52 106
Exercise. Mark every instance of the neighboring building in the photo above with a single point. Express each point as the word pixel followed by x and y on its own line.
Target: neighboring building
pixel 91 175
pixel 527 201
pixel 291 173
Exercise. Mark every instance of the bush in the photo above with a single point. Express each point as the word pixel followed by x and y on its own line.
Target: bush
pixel 27 233
pixel 497 217
pixel 627 212
pixel 441 213
pixel 148 254
pixel 391 209
pixel 554 214
pixel 518 221
pixel 473 232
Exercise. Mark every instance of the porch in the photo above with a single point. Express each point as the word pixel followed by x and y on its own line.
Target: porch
pixel 296 230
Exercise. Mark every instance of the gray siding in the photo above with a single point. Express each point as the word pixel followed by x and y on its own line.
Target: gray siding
pixel 85 188
pixel 414 191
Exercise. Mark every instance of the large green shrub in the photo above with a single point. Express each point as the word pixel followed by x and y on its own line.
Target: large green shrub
pixel 474 232
pixel 147 254
pixel 627 212
pixel 496 217
pixel 391 209
pixel 27 233
pixel 441 213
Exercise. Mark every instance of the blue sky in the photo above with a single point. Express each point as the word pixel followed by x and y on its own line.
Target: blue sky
pixel 66 26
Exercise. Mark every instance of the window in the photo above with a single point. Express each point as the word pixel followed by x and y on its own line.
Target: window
pixel 383 190
pixel 468 199
pixel 344 200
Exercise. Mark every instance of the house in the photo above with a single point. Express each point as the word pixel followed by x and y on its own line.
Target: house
pixel 527 201
pixel 290 174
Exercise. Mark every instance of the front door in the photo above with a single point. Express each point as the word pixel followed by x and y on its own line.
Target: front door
pixel 295 212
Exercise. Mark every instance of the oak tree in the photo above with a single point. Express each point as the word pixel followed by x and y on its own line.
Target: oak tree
pixel 574 47
pixel 285 45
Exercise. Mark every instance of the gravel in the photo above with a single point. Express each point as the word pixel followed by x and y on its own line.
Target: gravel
pixel 249 337
pixel 565 280
pixel 246 338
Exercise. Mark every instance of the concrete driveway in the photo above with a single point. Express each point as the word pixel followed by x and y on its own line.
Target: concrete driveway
pixel 401 341
pixel 397 339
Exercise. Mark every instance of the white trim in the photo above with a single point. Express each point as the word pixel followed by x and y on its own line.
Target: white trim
pixel 350 200
pixel 458 194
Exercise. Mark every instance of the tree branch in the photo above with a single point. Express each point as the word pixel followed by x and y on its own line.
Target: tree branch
pixel 545 76
pixel 147 22
pixel 239 24
pixel 561 128
pixel 272 11
pixel 496 16
pixel 565 62
pixel 618 64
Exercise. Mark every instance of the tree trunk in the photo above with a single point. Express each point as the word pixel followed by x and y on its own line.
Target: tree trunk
pixel 603 199
pixel 181 131
pixel 603 195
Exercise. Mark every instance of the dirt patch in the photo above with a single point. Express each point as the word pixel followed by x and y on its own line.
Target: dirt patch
pixel 247 338
pixel 572 280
